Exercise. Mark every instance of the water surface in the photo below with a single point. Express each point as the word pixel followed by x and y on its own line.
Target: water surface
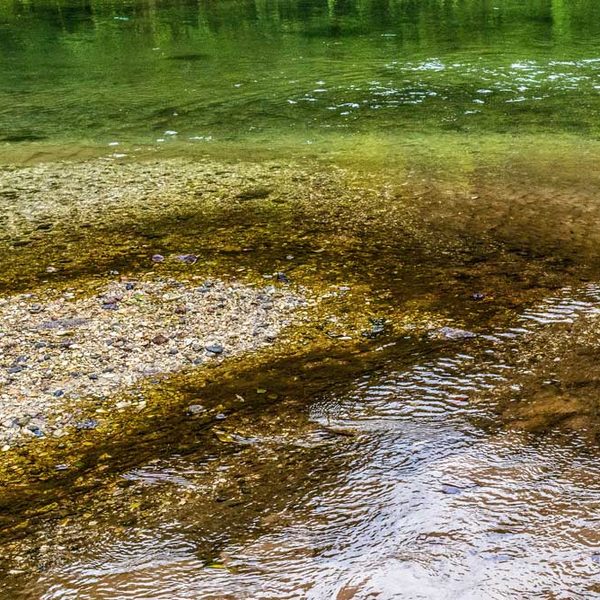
pixel 400 480
pixel 294 73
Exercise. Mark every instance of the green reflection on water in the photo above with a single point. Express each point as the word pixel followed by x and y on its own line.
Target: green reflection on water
pixel 96 71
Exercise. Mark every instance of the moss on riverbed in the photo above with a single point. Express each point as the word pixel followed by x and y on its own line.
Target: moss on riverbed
pixel 368 250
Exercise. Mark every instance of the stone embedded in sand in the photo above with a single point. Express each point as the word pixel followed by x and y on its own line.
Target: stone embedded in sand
pixel 215 348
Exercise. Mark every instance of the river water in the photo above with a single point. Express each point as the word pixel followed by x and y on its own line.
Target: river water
pixel 421 475
pixel 421 501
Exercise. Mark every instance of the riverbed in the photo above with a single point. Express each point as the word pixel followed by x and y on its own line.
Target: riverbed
pixel 299 300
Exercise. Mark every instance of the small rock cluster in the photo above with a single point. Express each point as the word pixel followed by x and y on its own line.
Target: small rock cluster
pixel 54 352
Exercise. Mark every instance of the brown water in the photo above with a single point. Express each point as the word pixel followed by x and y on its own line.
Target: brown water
pixel 402 486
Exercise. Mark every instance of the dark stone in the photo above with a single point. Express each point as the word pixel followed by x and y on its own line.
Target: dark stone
pixel 256 193
pixel 282 277
pixel 129 285
pixel 160 339
pixel 16 369
pixel 195 409
pixel 23 137
pixel 110 305
pixel 86 424
pixel 158 258
pixel 93 376
pixel 35 308
pixel 477 296
pixel 58 393
pixel 189 57
pixel 215 348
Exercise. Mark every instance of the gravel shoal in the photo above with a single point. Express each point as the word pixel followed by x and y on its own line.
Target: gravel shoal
pixel 55 351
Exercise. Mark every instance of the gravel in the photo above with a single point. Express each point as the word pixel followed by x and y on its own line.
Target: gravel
pixel 55 351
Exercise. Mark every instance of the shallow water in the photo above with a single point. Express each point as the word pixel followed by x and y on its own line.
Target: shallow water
pixel 420 502
pixel 475 124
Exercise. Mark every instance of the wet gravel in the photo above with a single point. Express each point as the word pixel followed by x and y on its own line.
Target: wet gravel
pixel 56 351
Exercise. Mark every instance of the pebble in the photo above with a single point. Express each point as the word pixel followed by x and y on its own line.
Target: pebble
pixel 86 424
pixel 215 348
pixel 188 259
pixel 195 409
pixel 158 258
pixel 451 333
pixel 451 489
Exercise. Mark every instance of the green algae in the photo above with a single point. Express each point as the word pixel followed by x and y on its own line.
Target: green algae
pixel 367 247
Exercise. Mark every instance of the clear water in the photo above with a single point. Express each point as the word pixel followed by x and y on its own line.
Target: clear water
pixel 421 500
pixel 295 73
pixel 420 504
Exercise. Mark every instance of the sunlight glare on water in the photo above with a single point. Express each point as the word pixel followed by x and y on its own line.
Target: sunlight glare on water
pixel 426 504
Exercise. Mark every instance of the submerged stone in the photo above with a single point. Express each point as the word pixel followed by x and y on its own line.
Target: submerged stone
pixel 451 333
pixel 188 259
pixel 86 424
pixel 377 328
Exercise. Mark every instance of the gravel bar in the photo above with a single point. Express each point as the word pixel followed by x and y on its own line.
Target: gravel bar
pixel 53 352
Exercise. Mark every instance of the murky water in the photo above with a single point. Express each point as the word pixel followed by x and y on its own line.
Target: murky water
pixel 460 465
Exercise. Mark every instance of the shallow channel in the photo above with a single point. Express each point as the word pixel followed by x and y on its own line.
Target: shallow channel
pixel 425 172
